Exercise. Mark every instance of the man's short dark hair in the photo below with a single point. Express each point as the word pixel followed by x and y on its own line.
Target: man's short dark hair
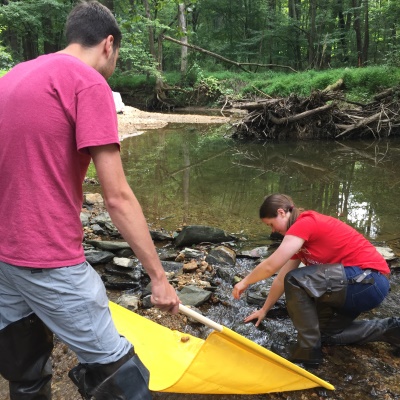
pixel 89 23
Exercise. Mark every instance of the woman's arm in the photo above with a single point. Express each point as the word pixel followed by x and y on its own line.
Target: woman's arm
pixel 280 261
pixel 290 245
pixel 276 291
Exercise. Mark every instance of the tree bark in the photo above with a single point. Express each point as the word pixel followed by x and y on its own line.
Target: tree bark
pixel 312 34
pixel 343 31
pixel 366 34
pixel 357 28
pixel 298 117
pixel 150 29
pixel 184 39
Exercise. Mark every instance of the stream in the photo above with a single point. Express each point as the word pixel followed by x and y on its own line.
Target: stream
pixel 187 174
pixel 195 174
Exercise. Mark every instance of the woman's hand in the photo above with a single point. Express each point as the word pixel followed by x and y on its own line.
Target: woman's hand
pixel 238 289
pixel 259 315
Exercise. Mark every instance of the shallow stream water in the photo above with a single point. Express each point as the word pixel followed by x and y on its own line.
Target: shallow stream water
pixel 186 175
pixel 194 175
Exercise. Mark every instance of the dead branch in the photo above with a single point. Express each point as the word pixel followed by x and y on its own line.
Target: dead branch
pixel 362 123
pixel 280 121
pixel 384 94
pixel 219 57
pixel 256 105
pixel 304 164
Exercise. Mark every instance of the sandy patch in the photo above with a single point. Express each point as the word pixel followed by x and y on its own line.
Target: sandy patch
pixel 133 121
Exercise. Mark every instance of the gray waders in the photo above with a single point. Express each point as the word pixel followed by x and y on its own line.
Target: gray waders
pixel 25 348
pixel 315 296
pixel 125 379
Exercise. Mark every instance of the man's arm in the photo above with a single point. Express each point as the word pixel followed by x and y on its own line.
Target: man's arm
pixel 127 215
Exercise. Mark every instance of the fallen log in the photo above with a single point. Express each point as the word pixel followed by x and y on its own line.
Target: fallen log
pixel 305 114
pixel 257 105
pixel 334 87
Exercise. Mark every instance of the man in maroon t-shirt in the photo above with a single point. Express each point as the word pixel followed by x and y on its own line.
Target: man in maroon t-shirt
pixel 56 115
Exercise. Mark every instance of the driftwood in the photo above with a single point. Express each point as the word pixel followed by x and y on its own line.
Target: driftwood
pixel 324 114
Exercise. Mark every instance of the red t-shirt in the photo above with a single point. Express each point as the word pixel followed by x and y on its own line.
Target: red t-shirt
pixel 51 109
pixel 329 240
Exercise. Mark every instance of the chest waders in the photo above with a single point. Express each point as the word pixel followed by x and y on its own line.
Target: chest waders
pixel 315 296
pixel 25 348
pixel 125 379
pixel 309 290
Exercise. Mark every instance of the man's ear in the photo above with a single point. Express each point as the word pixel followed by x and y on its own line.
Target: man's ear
pixel 109 45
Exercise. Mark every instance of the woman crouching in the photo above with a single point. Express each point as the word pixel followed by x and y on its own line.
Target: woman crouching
pixel 343 275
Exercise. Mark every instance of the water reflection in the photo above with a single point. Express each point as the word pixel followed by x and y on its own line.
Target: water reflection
pixel 195 175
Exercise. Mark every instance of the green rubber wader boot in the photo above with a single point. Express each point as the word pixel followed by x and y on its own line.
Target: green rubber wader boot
pixel 306 289
pixel 125 379
pixel 25 348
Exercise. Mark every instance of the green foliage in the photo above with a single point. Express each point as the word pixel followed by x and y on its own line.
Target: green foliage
pixel 362 83
pixel 32 25
pixel 359 83
pixel 91 172
pixel 256 32
pixel 126 81
pixel 6 61
pixel 134 55
pixel 204 86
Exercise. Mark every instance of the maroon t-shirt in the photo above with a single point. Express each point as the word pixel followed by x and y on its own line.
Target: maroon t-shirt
pixel 51 109
pixel 329 240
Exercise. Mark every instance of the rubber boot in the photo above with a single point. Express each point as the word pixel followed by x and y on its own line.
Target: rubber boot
pixel 376 330
pixel 25 348
pixel 125 379
pixel 305 288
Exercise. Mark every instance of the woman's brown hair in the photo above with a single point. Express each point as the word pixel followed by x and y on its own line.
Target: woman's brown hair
pixel 271 204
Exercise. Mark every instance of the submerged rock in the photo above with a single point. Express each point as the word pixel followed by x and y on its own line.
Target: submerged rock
pixel 195 234
pixel 221 255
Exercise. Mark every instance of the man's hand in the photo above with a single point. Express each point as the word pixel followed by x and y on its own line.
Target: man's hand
pixel 164 297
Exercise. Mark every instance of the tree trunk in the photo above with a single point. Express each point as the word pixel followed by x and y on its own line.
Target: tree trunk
pixel 294 13
pixel 30 46
pixel 343 31
pixel 357 28
pixel 366 34
pixel 151 30
pixel 271 5
pixel 312 34
pixel 184 39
